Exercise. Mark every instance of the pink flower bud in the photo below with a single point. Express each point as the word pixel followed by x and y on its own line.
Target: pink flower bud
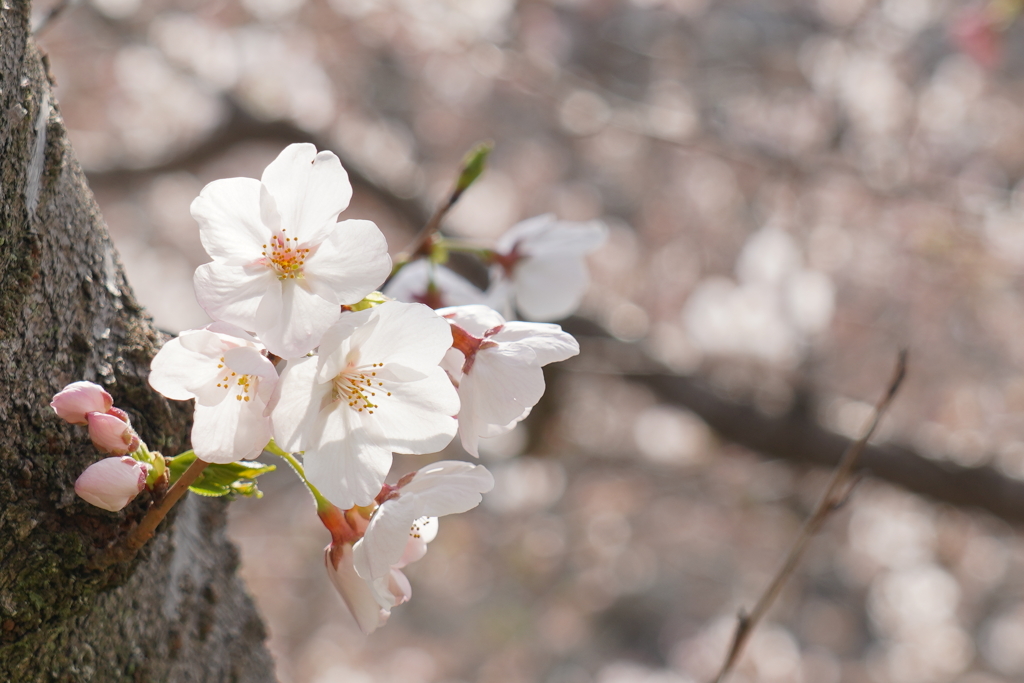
pixel 79 398
pixel 111 435
pixel 112 483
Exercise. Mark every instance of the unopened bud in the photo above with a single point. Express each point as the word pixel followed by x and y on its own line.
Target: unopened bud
pixel 111 434
pixel 78 399
pixel 112 483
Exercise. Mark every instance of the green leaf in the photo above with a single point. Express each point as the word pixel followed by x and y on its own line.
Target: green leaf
pixel 372 299
pixel 234 478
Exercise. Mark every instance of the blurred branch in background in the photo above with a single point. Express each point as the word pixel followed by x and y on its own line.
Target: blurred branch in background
pixel 797 436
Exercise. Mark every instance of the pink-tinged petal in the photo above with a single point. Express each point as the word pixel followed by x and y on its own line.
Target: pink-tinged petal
pixel 230 227
pixel 447 487
pixel 355 592
pixel 347 458
pixel 229 431
pixel 423 531
pixel 473 319
pixel 506 381
pixel 550 288
pixel 524 231
pixel 565 239
pixel 546 340
pixel 232 294
pixel 411 335
pixel 178 372
pixel 78 398
pixel 112 483
pixel 310 189
pixel 352 262
pixel 418 415
pixel 299 401
pixel 302 320
pixel 385 539
pixel 398 586
pixel 111 434
pixel 246 360
pixel 411 282
pixel 443 488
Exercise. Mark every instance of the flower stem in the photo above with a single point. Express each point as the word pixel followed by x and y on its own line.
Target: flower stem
pixel 322 504
pixel 144 531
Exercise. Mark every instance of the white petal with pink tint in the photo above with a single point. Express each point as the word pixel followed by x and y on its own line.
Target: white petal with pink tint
pixel 78 398
pixel 112 483
pixel 232 380
pixel 443 488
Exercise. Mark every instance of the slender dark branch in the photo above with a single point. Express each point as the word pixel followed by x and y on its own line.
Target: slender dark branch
pixel 835 494
pixel 144 531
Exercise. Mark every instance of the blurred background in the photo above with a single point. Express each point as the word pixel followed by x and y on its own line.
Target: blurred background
pixel 794 190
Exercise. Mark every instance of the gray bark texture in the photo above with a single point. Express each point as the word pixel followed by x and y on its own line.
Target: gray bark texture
pixel 177 611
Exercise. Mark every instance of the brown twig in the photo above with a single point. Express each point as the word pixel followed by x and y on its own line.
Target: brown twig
pixel 836 494
pixel 144 531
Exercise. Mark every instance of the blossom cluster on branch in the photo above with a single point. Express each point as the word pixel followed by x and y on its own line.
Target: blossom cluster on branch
pixel 306 357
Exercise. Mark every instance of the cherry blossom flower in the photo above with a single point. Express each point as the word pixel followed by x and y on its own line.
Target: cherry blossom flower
pixel 497 368
pixel 282 264
pixel 112 483
pixel 434 285
pixel 540 264
pixel 406 521
pixel 375 388
pixel 225 370
pixel 77 399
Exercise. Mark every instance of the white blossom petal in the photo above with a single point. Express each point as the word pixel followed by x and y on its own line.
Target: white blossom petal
pixel 443 488
pixel 548 341
pixel 232 294
pixel 352 262
pixel 549 288
pixel 309 189
pixel 346 457
pixel 301 320
pixel 411 282
pixel 354 591
pixel 411 335
pixel 418 416
pixel 298 402
pixel 228 213
pixel 229 431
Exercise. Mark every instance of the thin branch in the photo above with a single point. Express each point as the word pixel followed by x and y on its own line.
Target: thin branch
pixel 144 531
pixel 835 495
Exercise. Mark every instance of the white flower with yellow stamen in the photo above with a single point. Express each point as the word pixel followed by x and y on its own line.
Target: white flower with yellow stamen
pixel 376 388
pixel 226 372
pixel 282 264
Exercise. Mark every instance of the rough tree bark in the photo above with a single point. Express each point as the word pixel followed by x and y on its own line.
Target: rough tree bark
pixel 177 612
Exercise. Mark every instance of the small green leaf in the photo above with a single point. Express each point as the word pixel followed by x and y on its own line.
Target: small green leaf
pixel 233 478
pixel 372 299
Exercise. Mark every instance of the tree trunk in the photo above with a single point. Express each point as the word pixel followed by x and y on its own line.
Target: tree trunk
pixel 177 612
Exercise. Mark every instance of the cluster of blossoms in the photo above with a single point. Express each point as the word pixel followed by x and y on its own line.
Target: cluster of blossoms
pixel 307 357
